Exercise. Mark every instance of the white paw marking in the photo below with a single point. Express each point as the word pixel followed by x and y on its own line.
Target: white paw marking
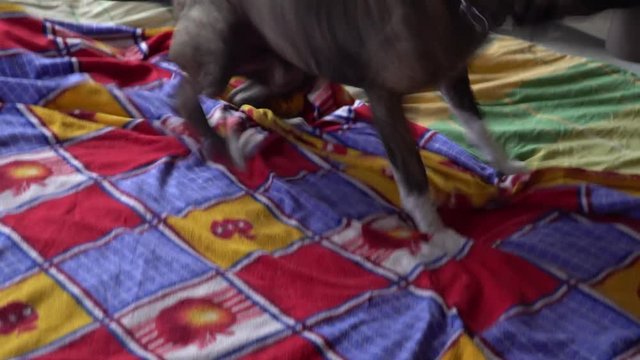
pixel 235 151
pixel 420 207
pixel 448 240
pixel 423 212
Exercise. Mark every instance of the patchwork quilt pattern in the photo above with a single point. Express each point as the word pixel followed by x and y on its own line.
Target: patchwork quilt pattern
pixel 117 240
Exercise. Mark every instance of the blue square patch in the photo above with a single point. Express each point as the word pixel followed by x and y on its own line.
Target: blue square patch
pixel 581 249
pixel 609 201
pixel 171 188
pixel 577 327
pixel 320 201
pixel 133 266
pixel 154 102
pixel 440 144
pixel 33 91
pixel 397 326
pixel 360 136
pixel 13 261
pixel 19 135
pixel 32 66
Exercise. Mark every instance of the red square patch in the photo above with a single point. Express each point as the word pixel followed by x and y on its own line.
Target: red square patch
pixel 310 280
pixel 103 345
pixel 118 151
pixel 58 225
pixel 123 73
pixel 486 283
pixel 487 226
pixel 276 156
pixel 24 32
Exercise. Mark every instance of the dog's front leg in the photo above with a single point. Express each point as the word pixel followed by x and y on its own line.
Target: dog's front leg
pixel 189 107
pixel 457 92
pixel 201 46
pixel 409 171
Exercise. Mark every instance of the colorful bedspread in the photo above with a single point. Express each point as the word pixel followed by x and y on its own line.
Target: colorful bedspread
pixel 548 108
pixel 118 241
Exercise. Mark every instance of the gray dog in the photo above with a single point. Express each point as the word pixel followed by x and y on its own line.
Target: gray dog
pixel 389 48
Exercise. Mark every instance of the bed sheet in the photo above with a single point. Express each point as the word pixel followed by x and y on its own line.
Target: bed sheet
pixel 118 241
pixel 549 109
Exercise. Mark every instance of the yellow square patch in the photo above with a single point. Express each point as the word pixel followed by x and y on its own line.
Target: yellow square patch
pixel 66 127
pixel 443 179
pixel 227 232
pixel 36 312
pixel 63 126
pixel 623 288
pixel 88 96
pixel 372 173
pixel 11 8
pixel 463 349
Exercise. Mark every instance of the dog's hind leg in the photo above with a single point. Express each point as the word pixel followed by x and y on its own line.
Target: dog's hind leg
pixel 402 150
pixel 457 92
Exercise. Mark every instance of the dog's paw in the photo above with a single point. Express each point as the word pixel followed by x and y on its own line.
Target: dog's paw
pixel 512 167
pixel 236 152
pixel 448 240
pixel 250 93
pixel 227 152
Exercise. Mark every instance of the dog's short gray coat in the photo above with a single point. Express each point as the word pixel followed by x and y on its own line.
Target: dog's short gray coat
pixel 387 47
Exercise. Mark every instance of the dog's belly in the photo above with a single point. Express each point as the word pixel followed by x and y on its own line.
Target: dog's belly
pixel 361 43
